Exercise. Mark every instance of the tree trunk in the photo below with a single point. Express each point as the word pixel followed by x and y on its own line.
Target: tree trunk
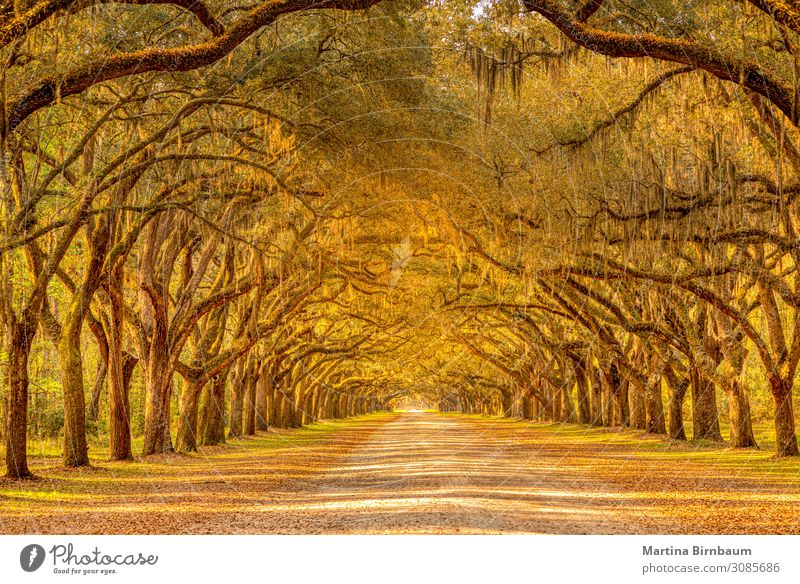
pixel 567 407
pixel 211 423
pixel 290 408
pixel 516 402
pixel 325 405
pixel 272 401
pixel 334 405
pixel 508 404
pixel 740 418
pixel 785 438
pixel 102 368
pixel 97 388
pixel 263 389
pixel 315 413
pixel 237 404
pixel 298 407
pixel 527 406
pixel 654 409
pixel 282 409
pixel 608 403
pixel 637 407
pixel 19 340
pixel 156 413
pixel 249 421
pixel 310 415
pixel 623 413
pixel 252 375
pixel 76 451
pixel 597 397
pixel 705 421
pixel 120 369
pixel 299 404
pixel 677 393
pixel 186 439
pixel 119 422
pixel 584 411
pixel 322 400
pixel 555 405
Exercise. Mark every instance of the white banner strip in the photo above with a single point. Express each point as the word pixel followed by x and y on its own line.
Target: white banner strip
pixel 418 559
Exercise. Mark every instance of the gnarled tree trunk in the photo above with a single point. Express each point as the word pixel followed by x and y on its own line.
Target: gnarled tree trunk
pixel 263 390
pixel 705 421
pixel 677 393
pixel 739 413
pixel 211 423
pixel 186 438
pixel 19 338
pixel 785 437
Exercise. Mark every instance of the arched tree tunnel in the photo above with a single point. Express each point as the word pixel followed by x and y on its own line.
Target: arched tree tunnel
pixel 477 237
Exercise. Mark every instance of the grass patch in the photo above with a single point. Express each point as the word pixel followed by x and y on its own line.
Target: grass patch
pixel 654 449
pixel 44 457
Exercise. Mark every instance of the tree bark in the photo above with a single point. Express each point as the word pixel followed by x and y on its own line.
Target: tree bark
pixel 623 413
pixel 638 408
pixel 705 421
pixel 119 422
pixel 19 338
pixel 263 399
pixel 584 409
pixel 785 437
pixel 298 406
pixel 211 425
pixel 567 407
pixel 597 397
pixel 237 401
pixel 97 390
pixel 654 408
pixel 120 370
pixel 186 438
pixel 158 382
pixel 677 393
pixel 251 383
pixel 740 419
pixel 76 451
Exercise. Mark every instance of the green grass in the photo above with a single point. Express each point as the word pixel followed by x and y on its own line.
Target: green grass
pixel 761 461
pixel 56 486
pixel 45 455
pixel 764 431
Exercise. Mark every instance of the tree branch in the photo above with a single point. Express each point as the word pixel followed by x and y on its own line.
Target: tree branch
pixel 75 81
pixel 750 74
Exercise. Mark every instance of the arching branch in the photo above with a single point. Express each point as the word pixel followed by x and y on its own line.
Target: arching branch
pixel 750 74
pixel 188 58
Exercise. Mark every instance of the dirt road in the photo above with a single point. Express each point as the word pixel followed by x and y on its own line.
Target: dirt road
pixel 421 473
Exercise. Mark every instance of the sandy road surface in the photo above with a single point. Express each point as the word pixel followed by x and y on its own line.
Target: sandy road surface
pixel 419 473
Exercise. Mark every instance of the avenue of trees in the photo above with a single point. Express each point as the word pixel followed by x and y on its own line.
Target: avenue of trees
pixel 221 217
